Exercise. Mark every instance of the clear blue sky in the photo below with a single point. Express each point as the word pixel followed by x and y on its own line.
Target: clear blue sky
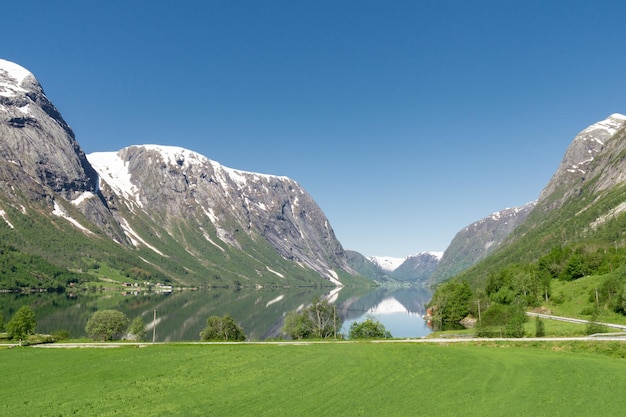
pixel 405 120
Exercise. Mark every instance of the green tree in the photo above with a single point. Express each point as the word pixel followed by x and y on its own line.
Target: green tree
pixel 22 323
pixel 369 329
pixel 593 327
pixel 222 328
pixel 493 321
pixel 137 328
pixel 1 322
pixel 106 325
pixel 540 327
pixel 515 323
pixel 450 304
pixel 295 326
pixel 318 321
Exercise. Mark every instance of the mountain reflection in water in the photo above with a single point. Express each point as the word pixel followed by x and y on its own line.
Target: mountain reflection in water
pixel 401 311
pixel 181 315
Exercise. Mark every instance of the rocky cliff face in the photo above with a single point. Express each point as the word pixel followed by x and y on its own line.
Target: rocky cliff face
pixel 478 240
pixel 39 157
pixel 35 137
pixel 171 184
pixel 580 162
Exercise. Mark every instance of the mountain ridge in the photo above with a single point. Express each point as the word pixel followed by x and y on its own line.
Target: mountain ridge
pixel 163 210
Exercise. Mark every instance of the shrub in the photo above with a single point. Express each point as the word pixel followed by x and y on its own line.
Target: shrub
pixel 369 329
pixel 22 323
pixel 137 329
pixel 222 328
pixel 106 325
pixel 318 321
pixel 540 328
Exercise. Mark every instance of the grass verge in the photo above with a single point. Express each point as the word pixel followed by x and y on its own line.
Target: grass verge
pixel 349 379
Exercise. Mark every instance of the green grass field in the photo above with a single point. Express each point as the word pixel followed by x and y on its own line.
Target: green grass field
pixel 350 379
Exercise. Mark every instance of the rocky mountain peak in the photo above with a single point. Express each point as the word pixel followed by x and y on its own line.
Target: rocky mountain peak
pixel 579 159
pixel 36 138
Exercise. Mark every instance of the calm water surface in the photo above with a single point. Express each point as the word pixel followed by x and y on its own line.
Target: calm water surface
pixel 180 316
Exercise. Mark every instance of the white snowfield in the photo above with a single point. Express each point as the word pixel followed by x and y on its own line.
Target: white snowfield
pixel 390 263
pixel 11 78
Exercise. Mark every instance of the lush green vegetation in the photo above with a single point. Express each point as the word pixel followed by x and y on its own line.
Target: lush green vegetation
pixel 577 232
pixel 106 325
pixel 22 324
pixel 353 379
pixel 370 328
pixel 574 281
pixel 317 321
pixel 20 270
pixel 222 328
pixel 45 252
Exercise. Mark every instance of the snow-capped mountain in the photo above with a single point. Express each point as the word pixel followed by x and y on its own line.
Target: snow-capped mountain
pixel 414 268
pixel 386 263
pixel 151 210
pixel 39 152
pixel 479 239
pixel 578 161
pixel 417 268
pixel 172 183
pixel 581 210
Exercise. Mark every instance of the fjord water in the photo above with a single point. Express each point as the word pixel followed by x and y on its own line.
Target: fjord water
pixel 181 315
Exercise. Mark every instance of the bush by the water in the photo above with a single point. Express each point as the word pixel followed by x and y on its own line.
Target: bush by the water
pixel 369 329
pixel 222 328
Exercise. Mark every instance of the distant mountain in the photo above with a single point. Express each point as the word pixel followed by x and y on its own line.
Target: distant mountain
pixel 478 240
pixel 367 268
pixel 386 263
pixel 417 268
pixel 386 269
pixel 151 212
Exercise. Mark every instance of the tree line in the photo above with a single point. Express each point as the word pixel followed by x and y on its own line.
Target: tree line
pixel 500 303
pixel 317 321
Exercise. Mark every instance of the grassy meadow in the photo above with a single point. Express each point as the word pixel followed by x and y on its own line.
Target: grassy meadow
pixel 343 379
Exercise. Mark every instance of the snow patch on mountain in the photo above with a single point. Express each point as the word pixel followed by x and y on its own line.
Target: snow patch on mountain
pixel 611 125
pixel 3 214
pixel 114 171
pixel 60 212
pixel 593 139
pixel 11 78
pixel 278 274
pixel 177 156
pixel 86 195
pixel 136 239
pixel 386 263
pixel 435 254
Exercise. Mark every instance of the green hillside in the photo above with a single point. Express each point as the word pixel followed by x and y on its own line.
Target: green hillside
pixel 44 251
pixel 575 231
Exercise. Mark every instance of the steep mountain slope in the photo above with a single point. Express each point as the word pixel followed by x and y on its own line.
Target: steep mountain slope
pixel 417 268
pixel 583 203
pixel 187 194
pixel 39 156
pixel 478 240
pixel 158 213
